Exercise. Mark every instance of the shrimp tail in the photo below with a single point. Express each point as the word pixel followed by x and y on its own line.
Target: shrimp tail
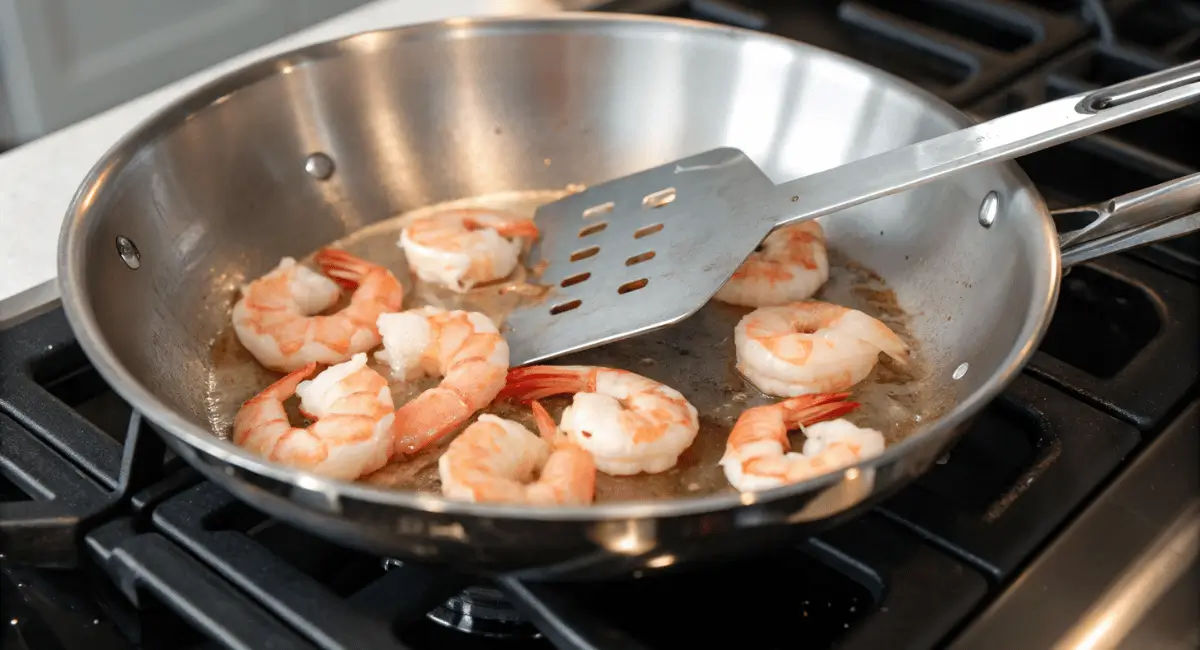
pixel 545 424
pixel 342 267
pixel 285 386
pixel 811 409
pixel 536 382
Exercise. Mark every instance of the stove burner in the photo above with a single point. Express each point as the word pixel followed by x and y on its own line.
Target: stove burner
pixel 477 610
pixel 483 611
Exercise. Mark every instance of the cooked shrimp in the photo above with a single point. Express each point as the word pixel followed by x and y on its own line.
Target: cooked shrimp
pixel 811 347
pixel 790 265
pixel 758 455
pixel 496 460
pixel 276 317
pixel 351 436
pixel 464 348
pixel 629 423
pixel 465 247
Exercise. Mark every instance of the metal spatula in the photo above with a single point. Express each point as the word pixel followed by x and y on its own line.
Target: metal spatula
pixel 649 249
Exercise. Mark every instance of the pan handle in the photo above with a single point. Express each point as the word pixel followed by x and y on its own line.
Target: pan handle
pixel 1150 216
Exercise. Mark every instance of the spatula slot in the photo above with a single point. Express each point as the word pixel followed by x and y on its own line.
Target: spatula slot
pixel 565 307
pixel 660 198
pixel 584 253
pixel 632 286
pixel 593 229
pixel 638 259
pixel 646 231
pixel 574 279
pixel 597 210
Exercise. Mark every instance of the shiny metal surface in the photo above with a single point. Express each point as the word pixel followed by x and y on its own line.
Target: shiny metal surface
pixel 704 215
pixel 1138 88
pixel 1155 214
pixel 319 166
pixel 694 217
pixel 214 191
pixel 989 208
pixel 1124 574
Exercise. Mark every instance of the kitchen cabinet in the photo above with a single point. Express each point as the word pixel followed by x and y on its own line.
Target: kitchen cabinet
pixel 63 60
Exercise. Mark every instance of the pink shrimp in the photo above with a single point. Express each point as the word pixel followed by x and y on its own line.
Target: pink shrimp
pixel 352 406
pixel 276 318
pixel 790 265
pixel 464 247
pixel 464 348
pixel 497 460
pixel 811 347
pixel 758 454
pixel 628 423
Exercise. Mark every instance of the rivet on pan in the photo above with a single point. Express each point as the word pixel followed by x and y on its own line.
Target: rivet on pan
pixel 128 252
pixel 989 209
pixel 319 166
pixel 961 370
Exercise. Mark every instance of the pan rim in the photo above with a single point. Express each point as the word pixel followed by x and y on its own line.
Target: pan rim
pixel 80 221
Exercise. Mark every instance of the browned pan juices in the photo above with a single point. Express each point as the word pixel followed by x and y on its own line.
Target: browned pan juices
pixel 696 357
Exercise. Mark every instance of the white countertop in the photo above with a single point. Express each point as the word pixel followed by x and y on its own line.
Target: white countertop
pixel 38 179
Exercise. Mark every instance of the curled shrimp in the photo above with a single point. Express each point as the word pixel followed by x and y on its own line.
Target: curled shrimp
pixel 628 423
pixel 463 348
pixel 791 264
pixel 758 455
pixel 811 347
pixel 276 318
pixel 498 460
pixel 352 406
pixel 461 248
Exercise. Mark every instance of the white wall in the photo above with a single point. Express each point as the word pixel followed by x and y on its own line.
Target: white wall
pixel 64 60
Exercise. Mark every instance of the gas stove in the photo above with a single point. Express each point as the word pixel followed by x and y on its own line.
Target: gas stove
pixel 1068 513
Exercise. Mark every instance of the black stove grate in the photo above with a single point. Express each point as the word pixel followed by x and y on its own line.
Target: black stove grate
pixel 1140 357
pixel 74 470
pixel 853 588
pixel 957 49
pixel 45 384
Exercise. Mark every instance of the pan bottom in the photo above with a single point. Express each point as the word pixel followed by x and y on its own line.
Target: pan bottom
pixel 695 357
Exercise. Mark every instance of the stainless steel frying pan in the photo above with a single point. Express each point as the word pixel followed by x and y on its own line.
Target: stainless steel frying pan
pixel 291 153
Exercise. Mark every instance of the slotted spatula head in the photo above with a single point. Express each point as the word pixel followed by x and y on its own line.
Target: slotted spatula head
pixel 640 252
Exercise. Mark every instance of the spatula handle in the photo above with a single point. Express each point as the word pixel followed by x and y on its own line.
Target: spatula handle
pixel 1010 136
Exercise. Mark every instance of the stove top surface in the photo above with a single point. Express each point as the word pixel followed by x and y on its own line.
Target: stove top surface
pixel 1043 523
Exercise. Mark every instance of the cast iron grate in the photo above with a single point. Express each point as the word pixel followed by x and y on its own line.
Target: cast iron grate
pixel 1106 309
pixel 42 353
pixel 958 49
pixel 46 497
pixel 1170 28
pixel 73 448
pixel 858 586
